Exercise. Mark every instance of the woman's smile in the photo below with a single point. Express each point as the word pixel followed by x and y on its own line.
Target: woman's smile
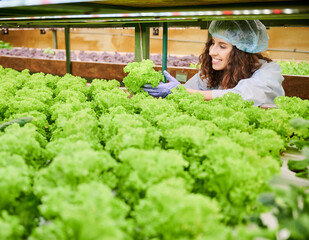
pixel 216 61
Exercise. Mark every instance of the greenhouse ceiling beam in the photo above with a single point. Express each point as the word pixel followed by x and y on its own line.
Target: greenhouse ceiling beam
pixel 268 14
pixel 270 21
pixel 64 9
pixel 172 23
pixel 32 22
pixel 92 8
pixel 287 14
pixel 224 11
pixel 26 3
pixel 131 3
pixel 95 7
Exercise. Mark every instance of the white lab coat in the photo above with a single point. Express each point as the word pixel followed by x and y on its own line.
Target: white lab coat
pixel 262 87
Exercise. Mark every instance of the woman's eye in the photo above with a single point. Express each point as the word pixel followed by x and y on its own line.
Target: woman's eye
pixel 223 47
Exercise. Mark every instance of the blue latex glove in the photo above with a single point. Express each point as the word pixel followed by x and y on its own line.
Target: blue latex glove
pixel 163 89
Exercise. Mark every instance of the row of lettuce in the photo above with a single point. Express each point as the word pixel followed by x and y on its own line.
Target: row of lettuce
pixel 95 163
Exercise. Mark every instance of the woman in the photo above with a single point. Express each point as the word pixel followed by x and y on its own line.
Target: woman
pixel 232 62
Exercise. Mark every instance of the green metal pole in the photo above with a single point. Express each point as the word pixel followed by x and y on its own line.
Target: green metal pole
pixel 141 42
pixel 67 48
pixel 137 49
pixel 55 41
pixel 145 42
pixel 164 54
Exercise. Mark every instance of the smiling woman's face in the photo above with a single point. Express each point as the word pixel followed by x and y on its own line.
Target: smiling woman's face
pixel 220 51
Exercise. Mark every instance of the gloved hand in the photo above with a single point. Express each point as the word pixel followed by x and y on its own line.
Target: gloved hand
pixel 163 89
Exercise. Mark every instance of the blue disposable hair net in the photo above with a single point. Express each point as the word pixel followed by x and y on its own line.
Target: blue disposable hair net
pixel 246 35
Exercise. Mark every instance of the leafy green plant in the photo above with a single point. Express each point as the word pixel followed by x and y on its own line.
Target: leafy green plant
pixel 141 73
pixel 5 45
pixel 10 227
pixel 301 167
pixel 195 65
pixel 171 198
pixel 301 138
pixel 294 68
pixel 88 212
pixel 48 51
pixel 140 169
pixel 290 207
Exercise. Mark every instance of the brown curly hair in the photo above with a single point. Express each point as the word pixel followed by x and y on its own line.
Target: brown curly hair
pixel 240 65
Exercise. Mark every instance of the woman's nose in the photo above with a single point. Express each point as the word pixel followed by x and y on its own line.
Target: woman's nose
pixel 212 51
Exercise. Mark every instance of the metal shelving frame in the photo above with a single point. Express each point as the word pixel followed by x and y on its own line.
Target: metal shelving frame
pixel 142 16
